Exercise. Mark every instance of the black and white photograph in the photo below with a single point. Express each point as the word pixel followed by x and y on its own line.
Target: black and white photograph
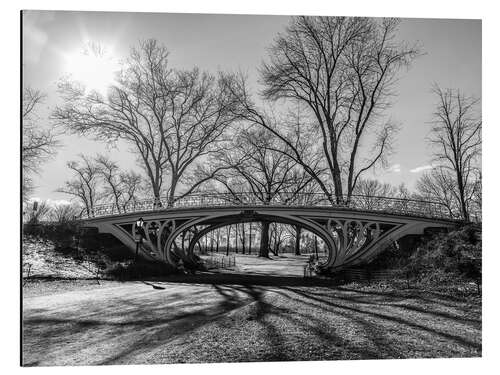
pixel 203 188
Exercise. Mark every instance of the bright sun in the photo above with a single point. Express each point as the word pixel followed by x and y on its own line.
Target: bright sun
pixel 93 66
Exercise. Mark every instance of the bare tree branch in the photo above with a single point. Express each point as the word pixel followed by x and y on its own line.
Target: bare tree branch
pixel 342 69
pixel 456 137
pixel 39 144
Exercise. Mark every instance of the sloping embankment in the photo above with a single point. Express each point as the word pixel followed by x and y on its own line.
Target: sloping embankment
pixel 42 259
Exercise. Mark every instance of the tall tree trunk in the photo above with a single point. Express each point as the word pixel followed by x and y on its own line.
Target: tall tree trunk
pixel 217 241
pixel 316 246
pixel 461 190
pixel 243 238
pixel 156 191
pixel 276 244
pixel 298 229
pixel 228 237
pixel 264 240
pixel 250 239
pixel 236 239
pixel 337 182
pixel 117 199
pixel 171 194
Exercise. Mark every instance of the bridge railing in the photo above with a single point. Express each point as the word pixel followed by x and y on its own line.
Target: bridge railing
pixel 358 202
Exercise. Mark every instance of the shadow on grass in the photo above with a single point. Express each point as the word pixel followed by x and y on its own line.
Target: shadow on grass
pixel 399 320
pixel 339 322
pixel 144 326
pixel 154 285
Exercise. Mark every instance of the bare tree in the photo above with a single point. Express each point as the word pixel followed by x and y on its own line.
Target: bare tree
pixel 278 236
pixel 254 167
pixel 109 171
pixel 475 208
pixel 134 110
pixel 456 136
pixel 63 213
pixel 131 186
pixel 374 188
pixel 39 211
pixel 85 184
pixel 171 118
pixel 369 190
pixel 439 185
pixel 200 115
pixel 342 70
pixel 38 144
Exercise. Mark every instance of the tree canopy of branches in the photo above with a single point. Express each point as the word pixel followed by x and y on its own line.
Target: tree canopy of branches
pixel 84 185
pixel 171 118
pixel 439 185
pixel 38 144
pixel 342 70
pixel 456 137
pixel 99 179
pixel 38 212
pixel 63 213
pixel 374 188
pixel 371 189
pixel 255 166
pixel 123 187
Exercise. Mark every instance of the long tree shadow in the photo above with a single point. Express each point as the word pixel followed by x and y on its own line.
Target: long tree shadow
pixel 150 325
pixel 183 324
pixel 392 318
pixel 385 348
pixel 144 326
pixel 376 332
pixel 396 300
pixel 325 337
pixel 262 310
pixel 443 298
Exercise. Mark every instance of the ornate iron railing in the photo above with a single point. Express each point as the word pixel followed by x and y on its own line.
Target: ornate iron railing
pixel 363 203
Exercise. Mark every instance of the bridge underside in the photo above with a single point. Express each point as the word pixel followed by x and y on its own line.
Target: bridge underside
pixel 351 237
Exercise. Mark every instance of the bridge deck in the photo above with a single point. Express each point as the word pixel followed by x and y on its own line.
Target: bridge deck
pixel 366 204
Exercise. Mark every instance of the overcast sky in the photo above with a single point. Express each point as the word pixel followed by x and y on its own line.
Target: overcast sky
pixel 52 41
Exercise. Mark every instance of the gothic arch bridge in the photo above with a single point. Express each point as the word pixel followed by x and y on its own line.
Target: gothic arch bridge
pixel 354 231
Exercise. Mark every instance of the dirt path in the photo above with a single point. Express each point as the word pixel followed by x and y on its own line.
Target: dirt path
pixel 166 322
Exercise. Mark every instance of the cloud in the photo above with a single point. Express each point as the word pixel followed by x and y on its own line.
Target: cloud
pixel 58 202
pixel 396 168
pixel 421 168
pixel 50 202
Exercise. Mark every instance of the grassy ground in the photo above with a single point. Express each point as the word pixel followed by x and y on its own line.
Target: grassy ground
pixel 167 322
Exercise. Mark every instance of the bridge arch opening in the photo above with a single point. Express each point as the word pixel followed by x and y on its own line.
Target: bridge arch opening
pixel 318 246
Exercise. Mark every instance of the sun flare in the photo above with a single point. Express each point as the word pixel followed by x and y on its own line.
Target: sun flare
pixel 93 66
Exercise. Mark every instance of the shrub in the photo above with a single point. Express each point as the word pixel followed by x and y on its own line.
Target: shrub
pixel 448 257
